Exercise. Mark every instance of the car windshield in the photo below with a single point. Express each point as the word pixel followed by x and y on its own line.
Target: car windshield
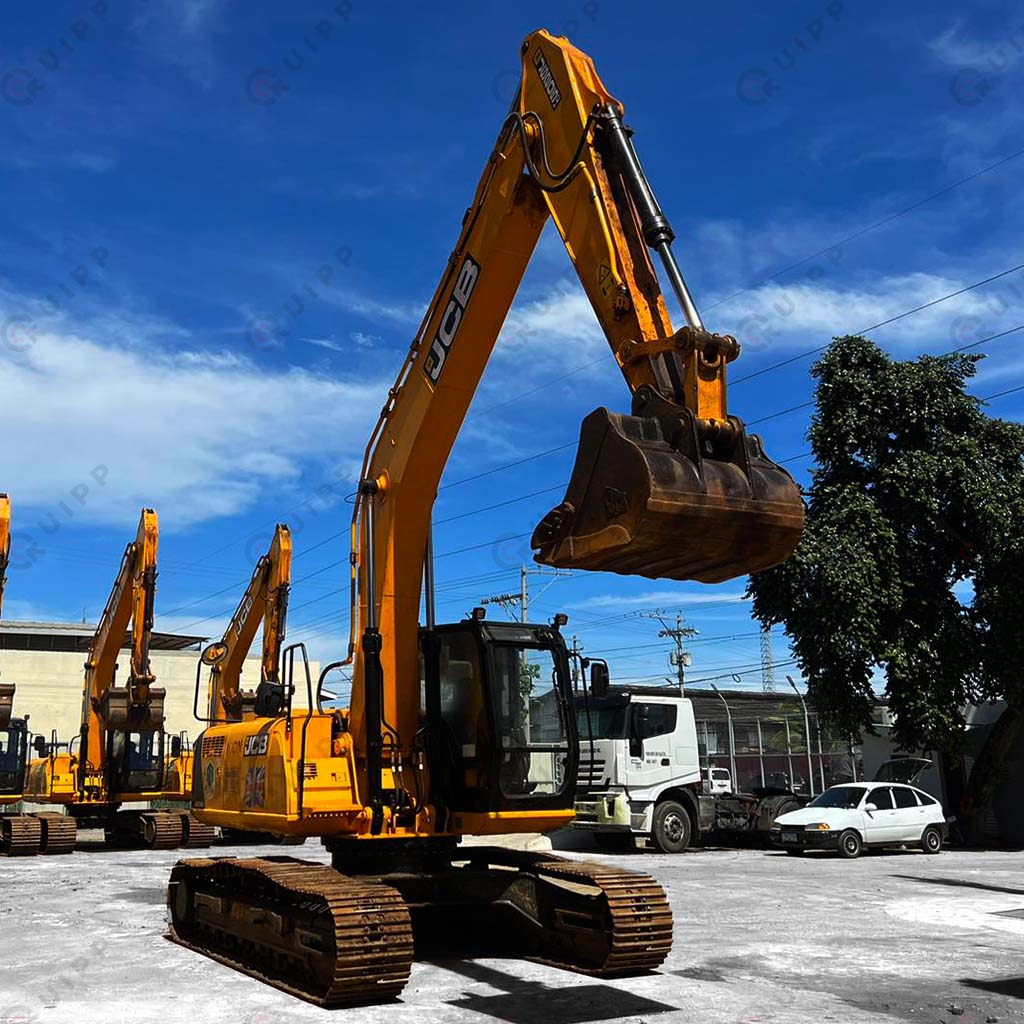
pixel 839 796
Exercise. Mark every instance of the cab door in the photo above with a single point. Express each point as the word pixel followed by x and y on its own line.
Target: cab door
pixel 881 825
pixel 652 728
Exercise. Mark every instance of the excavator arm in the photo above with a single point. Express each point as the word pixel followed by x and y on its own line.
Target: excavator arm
pixel 138 706
pixel 677 489
pixel 265 601
pixel 6 689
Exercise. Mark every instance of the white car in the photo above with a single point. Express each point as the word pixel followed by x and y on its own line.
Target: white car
pixel 857 814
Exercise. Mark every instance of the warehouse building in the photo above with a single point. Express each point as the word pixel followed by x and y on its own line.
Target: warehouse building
pixel 46 661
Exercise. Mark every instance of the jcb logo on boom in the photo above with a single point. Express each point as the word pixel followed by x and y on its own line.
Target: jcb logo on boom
pixel 465 282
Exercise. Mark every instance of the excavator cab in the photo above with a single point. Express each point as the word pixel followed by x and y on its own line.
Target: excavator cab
pixel 666 495
pixel 13 756
pixel 136 760
pixel 498 701
pixel 6 703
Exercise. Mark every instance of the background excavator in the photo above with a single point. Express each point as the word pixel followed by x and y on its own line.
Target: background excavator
pixel 120 756
pixel 469 727
pixel 21 834
pixel 265 602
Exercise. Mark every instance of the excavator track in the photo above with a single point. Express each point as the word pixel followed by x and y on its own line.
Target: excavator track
pixel 59 833
pixel 20 835
pixel 638 923
pixel 162 830
pixel 197 833
pixel 303 928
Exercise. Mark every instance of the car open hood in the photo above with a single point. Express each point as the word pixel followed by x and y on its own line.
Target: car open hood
pixel 902 769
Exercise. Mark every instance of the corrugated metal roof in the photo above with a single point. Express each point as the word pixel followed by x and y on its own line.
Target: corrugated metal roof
pixel 76 636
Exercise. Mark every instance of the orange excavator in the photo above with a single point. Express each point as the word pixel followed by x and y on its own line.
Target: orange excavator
pixel 21 834
pixel 265 602
pixel 469 727
pixel 120 756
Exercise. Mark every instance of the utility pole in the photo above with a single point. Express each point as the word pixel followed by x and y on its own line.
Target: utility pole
pixel 767 660
pixel 522 599
pixel 680 658
pixel 577 650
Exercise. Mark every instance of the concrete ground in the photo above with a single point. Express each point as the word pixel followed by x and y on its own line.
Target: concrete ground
pixel 758 937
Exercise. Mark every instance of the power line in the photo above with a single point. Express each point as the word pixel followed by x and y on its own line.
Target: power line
pixel 882 323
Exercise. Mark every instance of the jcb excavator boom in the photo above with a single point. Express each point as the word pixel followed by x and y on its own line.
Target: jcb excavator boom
pixel 6 689
pixel 264 601
pixel 677 489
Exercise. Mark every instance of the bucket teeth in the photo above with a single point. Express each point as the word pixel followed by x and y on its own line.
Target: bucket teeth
pixel 657 496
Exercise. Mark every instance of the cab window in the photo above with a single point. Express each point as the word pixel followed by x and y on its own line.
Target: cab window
pixel 529 722
pixel 881 798
pixel 462 704
pixel 650 720
pixel 905 798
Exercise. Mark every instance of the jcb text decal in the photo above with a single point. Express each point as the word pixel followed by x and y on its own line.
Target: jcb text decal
pixel 462 292
pixel 256 746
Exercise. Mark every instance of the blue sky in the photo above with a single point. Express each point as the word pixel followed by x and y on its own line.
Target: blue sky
pixel 222 224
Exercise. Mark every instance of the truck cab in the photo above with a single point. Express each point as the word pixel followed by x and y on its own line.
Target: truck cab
pixel 639 774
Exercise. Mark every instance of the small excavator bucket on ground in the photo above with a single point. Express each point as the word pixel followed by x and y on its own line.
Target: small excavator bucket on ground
pixel 669 496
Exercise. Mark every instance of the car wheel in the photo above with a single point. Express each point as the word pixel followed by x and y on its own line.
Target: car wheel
pixel 850 844
pixel 671 831
pixel 931 840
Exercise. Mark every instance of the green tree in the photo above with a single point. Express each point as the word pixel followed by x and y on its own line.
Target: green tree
pixel 911 566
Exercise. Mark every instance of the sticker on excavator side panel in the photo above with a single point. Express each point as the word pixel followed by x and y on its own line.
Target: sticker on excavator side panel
pixel 255 794
pixel 547 78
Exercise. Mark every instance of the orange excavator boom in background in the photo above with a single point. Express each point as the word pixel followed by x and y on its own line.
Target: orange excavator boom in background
pixel 265 602
pixel 469 727
pixel 119 756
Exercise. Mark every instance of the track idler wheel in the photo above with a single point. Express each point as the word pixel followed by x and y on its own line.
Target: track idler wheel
pixel 665 495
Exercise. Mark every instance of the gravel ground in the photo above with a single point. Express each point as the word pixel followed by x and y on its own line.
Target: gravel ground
pixel 758 937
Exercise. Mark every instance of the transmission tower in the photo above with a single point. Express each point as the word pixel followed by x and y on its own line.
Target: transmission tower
pixel 767 660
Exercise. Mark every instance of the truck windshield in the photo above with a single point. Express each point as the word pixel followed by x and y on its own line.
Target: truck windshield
pixel 838 796
pixel 607 723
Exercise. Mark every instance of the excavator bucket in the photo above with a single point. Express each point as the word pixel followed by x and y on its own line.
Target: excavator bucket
pixel 117 712
pixel 6 704
pixel 669 496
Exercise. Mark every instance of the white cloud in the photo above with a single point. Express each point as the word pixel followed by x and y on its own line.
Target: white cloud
pixel 197 435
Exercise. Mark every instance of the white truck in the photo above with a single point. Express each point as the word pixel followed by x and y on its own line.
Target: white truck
pixel 640 775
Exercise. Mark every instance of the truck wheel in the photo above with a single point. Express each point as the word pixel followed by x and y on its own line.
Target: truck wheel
pixel 850 844
pixel 931 840
pixel 672 829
